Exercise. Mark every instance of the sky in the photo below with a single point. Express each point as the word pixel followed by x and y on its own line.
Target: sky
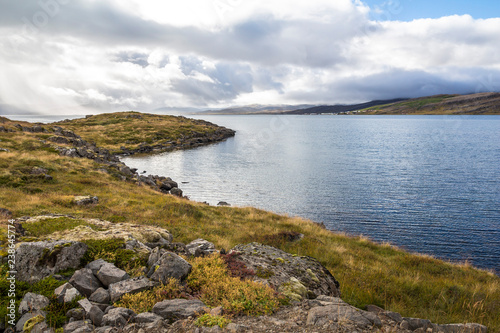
pixel 91 56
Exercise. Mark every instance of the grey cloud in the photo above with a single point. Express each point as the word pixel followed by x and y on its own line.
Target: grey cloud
pixel 136 58
pixel 402 84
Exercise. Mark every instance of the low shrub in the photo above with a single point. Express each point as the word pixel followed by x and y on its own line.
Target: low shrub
pixel 208 320
pixel 145 300
pixel 210 276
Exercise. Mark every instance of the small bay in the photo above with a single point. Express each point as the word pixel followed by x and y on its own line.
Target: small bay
pixel 429 184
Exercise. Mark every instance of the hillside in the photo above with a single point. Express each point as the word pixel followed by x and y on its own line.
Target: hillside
pixel 44 169
pixel 256 109
pixel 474 104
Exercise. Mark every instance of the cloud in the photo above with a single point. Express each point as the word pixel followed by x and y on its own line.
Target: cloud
pixel 107 55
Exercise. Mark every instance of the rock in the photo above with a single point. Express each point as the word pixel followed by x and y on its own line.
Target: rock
pixel 223 203
pixel 277 268
pixel 66 293
pixel 200 247
pixel 460 328
pixel 294 290
pixel 414 323
pixel 5 213
pixel 95 315
pixel 85 282
pixel 32 303
pixel 147 318
pixel 83 200
pixel 117 290
pixel 41 327
pixel 394 316
pixel 101 296
pixel 169 265
pixel 154 256
pixel 79 326
pixel 178 308
pixel 118 317
pixel 340 312
pixel 76 314
pixel 374 308
pixel 37 316
pixel 176 191
pixel 85 305
pixel 38 171
pixel 38 260
pixel 109 273
pixel 96 265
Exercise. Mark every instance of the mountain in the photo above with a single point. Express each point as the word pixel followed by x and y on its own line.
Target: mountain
pixel 478 104
pixel 339 108
pixel 258 109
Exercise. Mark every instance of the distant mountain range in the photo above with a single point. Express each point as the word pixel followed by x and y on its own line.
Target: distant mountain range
pixel 481 103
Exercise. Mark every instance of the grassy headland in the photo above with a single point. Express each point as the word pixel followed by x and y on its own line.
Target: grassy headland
pixel 369 273
pixel 475 104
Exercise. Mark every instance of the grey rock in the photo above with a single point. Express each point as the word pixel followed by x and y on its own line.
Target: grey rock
pixel 27 316
pixel 37 260
pixel 460 328
pixel 200 247
pixel 235 328
pixel 169 265
pixel 339 311
pixel 282 268
pixel 85 282
pixel 83 200
pixel 5 212
pixel 66 293
pixel 147 318
pixel 223 203
pixel 79 326
pixel 32 303
pixel 96 265
pixel 101 296
pixel 178 308
pixel 85 305
pixel 415 323
pixel 76 314
pixel 42 328
pixel 393 316
pixel 117 290
pixel 154 256
pixel 176 191
pixel 109 273
pixel 95 315
pixel 118 317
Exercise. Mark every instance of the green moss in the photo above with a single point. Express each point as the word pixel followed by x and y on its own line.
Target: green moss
pixel 30 323
pixel 264 273
pixel 207 320
pixel 112 250
pixel 312 275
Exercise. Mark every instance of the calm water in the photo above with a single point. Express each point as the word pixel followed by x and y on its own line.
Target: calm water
pixel 429 184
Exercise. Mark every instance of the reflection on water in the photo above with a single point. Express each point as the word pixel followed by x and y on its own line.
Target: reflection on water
pixel 426 183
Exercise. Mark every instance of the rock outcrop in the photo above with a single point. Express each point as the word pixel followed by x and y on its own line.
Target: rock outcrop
pixel 296 277
pixel 38 260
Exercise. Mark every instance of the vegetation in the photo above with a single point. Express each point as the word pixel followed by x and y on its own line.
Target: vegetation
pixel 208 320
pixel 145 300
pixel 210 276
pixel 484 104
pixel 131 129
pixel 369 273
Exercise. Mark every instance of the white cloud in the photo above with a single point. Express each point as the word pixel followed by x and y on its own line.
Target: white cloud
pixel 117 55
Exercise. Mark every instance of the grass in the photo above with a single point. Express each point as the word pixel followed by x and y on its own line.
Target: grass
pixel 131 129
pixel 369 273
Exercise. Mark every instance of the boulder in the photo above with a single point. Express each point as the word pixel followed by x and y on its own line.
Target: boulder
pixel 285 271
pixel 96 265
pixel 37 260
pixel 79 326
pixel 154 256
pixel 101 296
pixel 109 273
pixel 32 303
pixel 85 282
pixel 175 309
pixel 223 203
pixel 200 247
pixel 147 318
pixel 83 200
pixel 118 317
pixel 117 290
pixel 336 310
pixel 33 317
pixel 66 293
pixel 169 265
pixel 176 191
